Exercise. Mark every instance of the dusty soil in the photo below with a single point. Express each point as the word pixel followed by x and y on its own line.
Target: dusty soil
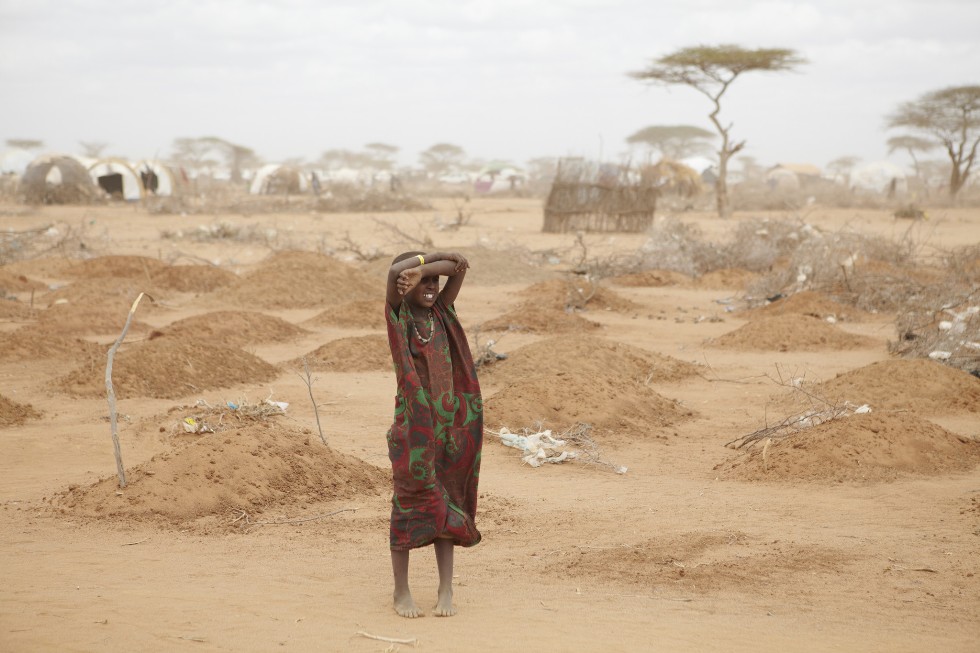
pixel 240 529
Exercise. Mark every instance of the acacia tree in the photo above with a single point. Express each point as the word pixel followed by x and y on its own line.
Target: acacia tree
pixel 710 70
pixel 382 155
pixel 673 141
pixel 441 157
pixel 842 165
pixel 93 149
pixel 911 144
pixel 194 152
pixel 25 143
pixel 950 117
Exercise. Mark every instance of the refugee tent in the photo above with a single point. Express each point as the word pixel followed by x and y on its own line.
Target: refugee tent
pixel 790 176
pixel 15 161
pixel 278 179
pixel 57 179
pixel 156 177
pixel 117 178
pixel 880 176
pixel 498 176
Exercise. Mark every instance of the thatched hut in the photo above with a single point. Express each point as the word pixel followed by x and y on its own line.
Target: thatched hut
pixel 55 179
pixel 588 196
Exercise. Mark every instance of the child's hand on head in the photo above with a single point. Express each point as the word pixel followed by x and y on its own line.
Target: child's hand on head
pixel 459 260
pixel 408 279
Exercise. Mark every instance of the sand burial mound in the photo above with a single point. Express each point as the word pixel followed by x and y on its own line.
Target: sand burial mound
pixel 11 282
pixel 813 304
pixel 561 294
pixel 865 447
pixel 301 280
pixel 255 468
pixel 610 403
pixel 193 278
pixel 652 279
pixel 116 267
pixel 29 343
pixel 919 385
pixel 84 320
pixel 11 309
pixel 233 328
pixel 533 319
pixel 587 356
pixel 165 368
pixel 726 279
pixel 362 314
pixel 15 414
pixel 790 333
pixel 356 354
pixel 111 295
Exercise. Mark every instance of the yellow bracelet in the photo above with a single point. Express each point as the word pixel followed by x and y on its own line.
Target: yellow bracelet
pixel 421 259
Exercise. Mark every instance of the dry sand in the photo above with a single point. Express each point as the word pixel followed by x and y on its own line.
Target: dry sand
pixel 252 535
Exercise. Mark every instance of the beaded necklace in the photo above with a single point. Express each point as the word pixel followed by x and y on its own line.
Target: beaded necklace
pixel 418 335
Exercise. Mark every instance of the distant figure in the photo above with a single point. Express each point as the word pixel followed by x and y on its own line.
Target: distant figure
pixel 315 183
pixel 435 441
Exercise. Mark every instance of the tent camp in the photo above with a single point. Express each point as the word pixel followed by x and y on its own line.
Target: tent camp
pixel 499 176
pixel 157 178
pixel 791 176
pixel 117 178
pixel 278 179
pixel 57 179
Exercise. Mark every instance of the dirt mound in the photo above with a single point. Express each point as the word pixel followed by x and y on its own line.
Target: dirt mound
pixel 790 332
pixel 611 404
pixel 301 280
pixel 193 278
pixel 166 368
pixel 84 320
pixel 651 279
pixel 529 318
pixel 233 328
pixel 30 343
pixel 811 303
pixel 125 267
pixel 252 469
pixel 15 414
pixel 363 314
pixel 919 385
pixel 703 562
pixel 726 279
pixel 112 295
pixel 11 282
pixel 560 294
pixel 357 354
pixel 867 447
pixel 587 356
pixel 487 267
pixel 11 309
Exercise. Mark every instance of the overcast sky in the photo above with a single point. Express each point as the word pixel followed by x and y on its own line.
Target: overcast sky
pixel 500 78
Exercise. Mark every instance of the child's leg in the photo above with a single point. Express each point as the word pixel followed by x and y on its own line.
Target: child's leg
pixel 444 560
pixel 404 604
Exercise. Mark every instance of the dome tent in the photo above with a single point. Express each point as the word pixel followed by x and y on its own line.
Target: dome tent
pixel 117 178
pixel 157 178
pixel 278 179
pixel 57 179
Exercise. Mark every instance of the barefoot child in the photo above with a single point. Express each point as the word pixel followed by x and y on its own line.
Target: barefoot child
pixel 435 440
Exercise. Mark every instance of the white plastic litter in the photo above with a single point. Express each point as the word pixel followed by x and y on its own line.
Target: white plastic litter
pixel 539 447
pixel 939 355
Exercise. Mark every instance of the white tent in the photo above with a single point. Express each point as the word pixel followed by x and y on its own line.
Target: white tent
pixel 879 176
pixel 278 179
pixel 116 176
pixel 157 177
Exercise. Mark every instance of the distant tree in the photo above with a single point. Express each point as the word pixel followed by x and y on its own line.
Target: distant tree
pixel 382 155
pixel 198 152
pixel 912 144
pixel 949 117
pixel 93 149
pixel 710 70
pixel 842 165
pixel 339 158
pixel 751 169
pixel 673 141
pixel 25 143
pixel 442 157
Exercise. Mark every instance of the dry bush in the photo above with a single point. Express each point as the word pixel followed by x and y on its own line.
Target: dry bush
pixel 47 240
pixel 943 324
pixel 678 246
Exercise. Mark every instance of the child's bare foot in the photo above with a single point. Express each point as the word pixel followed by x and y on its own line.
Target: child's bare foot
pixel 444 606
pixel 405 606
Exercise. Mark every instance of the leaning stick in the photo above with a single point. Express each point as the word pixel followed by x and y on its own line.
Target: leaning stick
pixel 120 470
pixel 308 380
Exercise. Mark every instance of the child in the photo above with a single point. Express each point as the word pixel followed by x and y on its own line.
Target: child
pixel 435 440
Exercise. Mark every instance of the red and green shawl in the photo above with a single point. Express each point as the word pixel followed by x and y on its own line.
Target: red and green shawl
pixel 436 437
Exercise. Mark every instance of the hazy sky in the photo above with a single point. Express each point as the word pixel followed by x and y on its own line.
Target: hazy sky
pixel 500 78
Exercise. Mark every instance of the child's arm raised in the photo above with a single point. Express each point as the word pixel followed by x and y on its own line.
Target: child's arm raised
pixel 404 275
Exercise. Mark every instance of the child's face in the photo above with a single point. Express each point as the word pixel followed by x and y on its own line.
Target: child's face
pixel 426 292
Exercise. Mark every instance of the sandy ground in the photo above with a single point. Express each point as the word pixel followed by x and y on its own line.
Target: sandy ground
pixel 696 547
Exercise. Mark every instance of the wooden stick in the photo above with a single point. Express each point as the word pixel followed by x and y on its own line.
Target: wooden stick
pixel 391 640
pixel 120 470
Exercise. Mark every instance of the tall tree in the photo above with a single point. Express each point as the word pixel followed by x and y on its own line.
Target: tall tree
pixel 195 152
pixel 382 154
pixel 912 144
pixel 442 157
pixel 951 118
pixel 842 165
pixel 710 70
pixel 673 141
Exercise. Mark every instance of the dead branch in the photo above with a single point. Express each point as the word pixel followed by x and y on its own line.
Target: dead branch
pixel 309 380
pixel 423 242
